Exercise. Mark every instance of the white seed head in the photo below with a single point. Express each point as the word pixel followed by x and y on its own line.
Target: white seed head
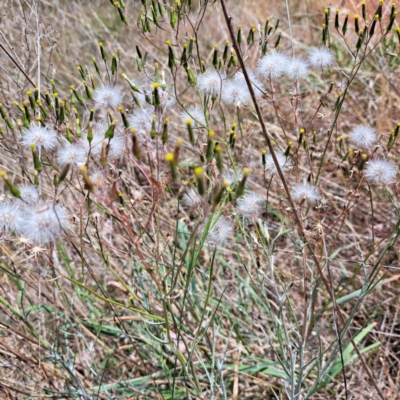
pixel 235 93
pixel 29 194
pixel 270 165
pixel 108 96
pixel 221 231
pixel 210 83
pixel 141 121
pixel 380 171
pixel 42 137
pixel 363 136
pixel 44 223
pixel 272 65
pixel 191 198
pixel 11 218
pixel 297 68
pixel 320 57
pixel 196 115
pixel 251 203
pixel 258 86
pixel 73 153
pixel 305 191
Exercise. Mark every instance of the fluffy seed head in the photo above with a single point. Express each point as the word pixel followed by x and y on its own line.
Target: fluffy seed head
pixel 42 137
pixel 272 65
pixel 11 218
pixel 270 165
pixel 72 153
pixel 108 96
pixel 44 223
pixel 29 194
pixel 210 83
pixel 363 136
pixel 380 171
pixel 305 191
pixel 191 198
pixel 195 115
pixel 258 86
pixel 221 231
pixel 297 68
pixel 141 121
pixel 235 93
pixel 320 57
pixel 251 203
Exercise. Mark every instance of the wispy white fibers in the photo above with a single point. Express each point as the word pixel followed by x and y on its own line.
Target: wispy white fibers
pixel 41 136
pixel 380 171
pixel 108 96
pixel 211 83
pixel 363 136
pixel 320 57
pixel 11 218
pixel 305 191
pixel 272 65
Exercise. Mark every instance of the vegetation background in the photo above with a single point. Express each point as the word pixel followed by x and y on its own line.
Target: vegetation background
pixel 124 306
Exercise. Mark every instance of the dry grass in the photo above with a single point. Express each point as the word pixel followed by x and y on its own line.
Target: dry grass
pixel 124 305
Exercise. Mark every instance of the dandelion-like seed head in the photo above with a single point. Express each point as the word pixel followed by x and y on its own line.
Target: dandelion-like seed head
pixel 363 136
pixel 221 231
pixel 270 165
pixel 191 198
pixel 44 223
pixel 195 115
pixel 297 68
pixel 11 218
pixel 258 86
pixel 72 153
pixel 42 137
pixel 210 83
pixel 141 121
pixel 380 171
pixel 235 93
pixel 305 191
pixel 320 57
pixel 108 96
pixel 251 203
pixel 29 194
pixel 272 65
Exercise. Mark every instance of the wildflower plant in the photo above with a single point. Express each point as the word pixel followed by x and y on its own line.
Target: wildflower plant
pixel 198 207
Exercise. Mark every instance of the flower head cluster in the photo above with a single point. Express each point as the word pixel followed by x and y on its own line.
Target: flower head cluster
pixel 41 136
pixel 363 136
pixel 29 194
pixel 305 191
pixel 74 153
pixel 380 171
pixel 108 96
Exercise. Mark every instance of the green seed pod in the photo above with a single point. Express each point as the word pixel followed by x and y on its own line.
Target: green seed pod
pixel 102 52
pixel 191 42
pixel 135 143
pixel 81 71
pixel 96 67
pixel 123 116
pixel 219 158
pixel 239 35
pixel 26 111
pixel 173 17
pixel 68 133
pixel 177 150
pixel 373 25
pixel 63 173
pixel 171 55
pixel 344 28
pixel 356 24
pixel 242 183
pixel 114 65
pixel 198 171
pixel 110 131
pixel 219 193
pixel 32 100
pixel 61 113
pixel 89 94
pixel 13 189
pixel 225 54
pixel 363 160
pixel 36 161
pixel 210 146
pixel 164 135
pixel 190 130
pixel 250 36
pixel 170 158
pixel 337 25
pixel 287 151
pixel 156 95
pixel 190 76
pixel 88 184
pixel 364 10
pixel 153 131
pixel 215 57
pixel 263 159
pixel 53 86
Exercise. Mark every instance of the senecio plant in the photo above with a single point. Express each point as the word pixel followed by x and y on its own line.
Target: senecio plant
pixel 210 220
